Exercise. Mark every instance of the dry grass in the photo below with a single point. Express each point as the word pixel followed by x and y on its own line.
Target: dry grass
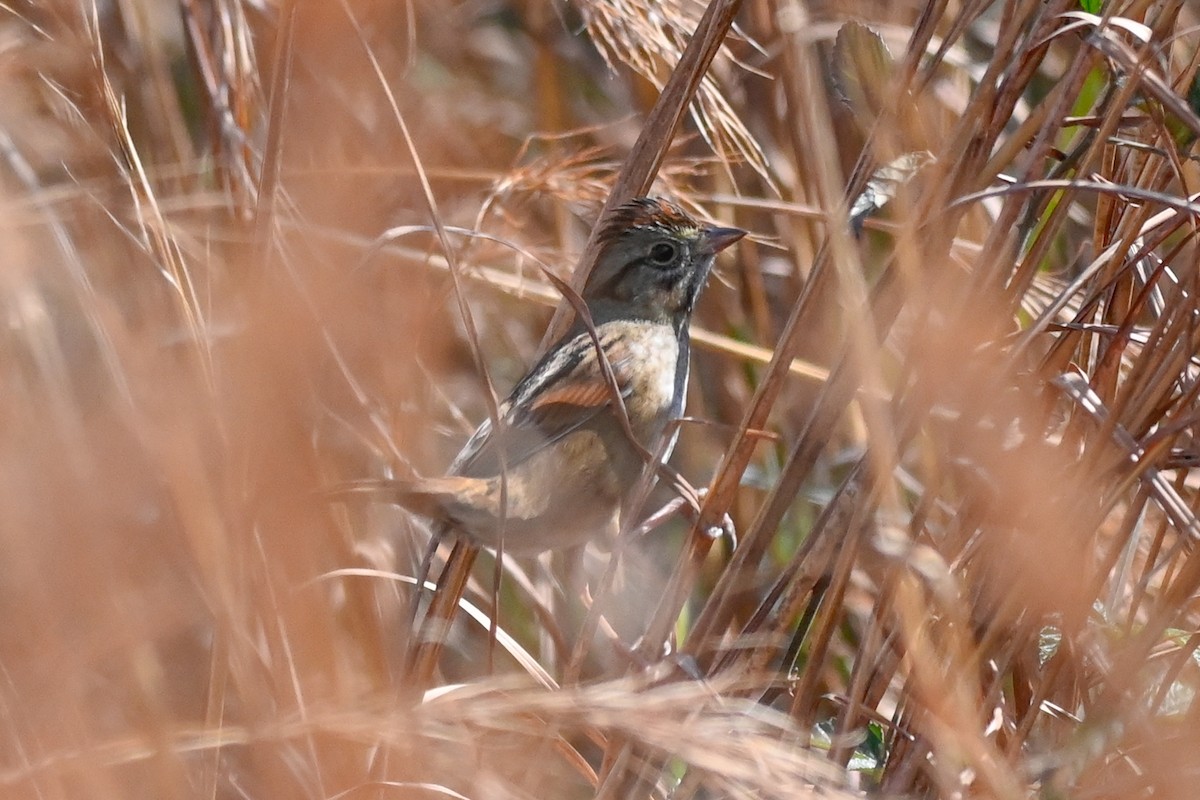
pixel 252 249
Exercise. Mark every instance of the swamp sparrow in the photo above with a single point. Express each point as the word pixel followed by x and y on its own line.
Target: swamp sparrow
pixel 579 429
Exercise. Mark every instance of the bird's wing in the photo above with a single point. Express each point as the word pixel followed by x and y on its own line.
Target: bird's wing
pixel 562 393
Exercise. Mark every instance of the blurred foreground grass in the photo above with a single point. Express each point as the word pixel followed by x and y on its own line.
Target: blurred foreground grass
pixel 967 561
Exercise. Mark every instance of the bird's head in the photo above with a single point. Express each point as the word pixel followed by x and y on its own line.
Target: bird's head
pixel 654 260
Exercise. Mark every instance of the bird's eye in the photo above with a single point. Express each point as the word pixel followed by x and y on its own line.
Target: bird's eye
pixel 662 253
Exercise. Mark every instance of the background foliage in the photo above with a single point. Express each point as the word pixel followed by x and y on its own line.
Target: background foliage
pixel 957 446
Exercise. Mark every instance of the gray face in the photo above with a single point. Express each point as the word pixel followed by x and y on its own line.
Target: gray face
pixel 654 261
pixel 653 271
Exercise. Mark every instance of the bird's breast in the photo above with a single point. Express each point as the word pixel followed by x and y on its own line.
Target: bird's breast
pixel 647 362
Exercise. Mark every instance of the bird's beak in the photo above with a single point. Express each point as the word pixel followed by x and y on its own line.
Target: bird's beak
pixel 717 239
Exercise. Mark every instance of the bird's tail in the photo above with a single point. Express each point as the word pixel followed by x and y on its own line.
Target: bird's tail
pixel 429 497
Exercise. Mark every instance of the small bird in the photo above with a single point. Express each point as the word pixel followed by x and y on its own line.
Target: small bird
pixel 579 429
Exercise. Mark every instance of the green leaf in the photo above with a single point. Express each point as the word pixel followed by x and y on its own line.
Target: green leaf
pixel 1049 638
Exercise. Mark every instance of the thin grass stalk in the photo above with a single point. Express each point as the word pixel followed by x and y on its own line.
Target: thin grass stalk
pixel 803 576
pixel 803 706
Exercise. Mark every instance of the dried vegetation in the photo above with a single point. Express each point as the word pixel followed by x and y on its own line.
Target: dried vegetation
pixel 250 249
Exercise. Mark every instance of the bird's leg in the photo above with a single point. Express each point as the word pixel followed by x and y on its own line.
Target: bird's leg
pixel 689 503
pixel 671 509
pixel 687 493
